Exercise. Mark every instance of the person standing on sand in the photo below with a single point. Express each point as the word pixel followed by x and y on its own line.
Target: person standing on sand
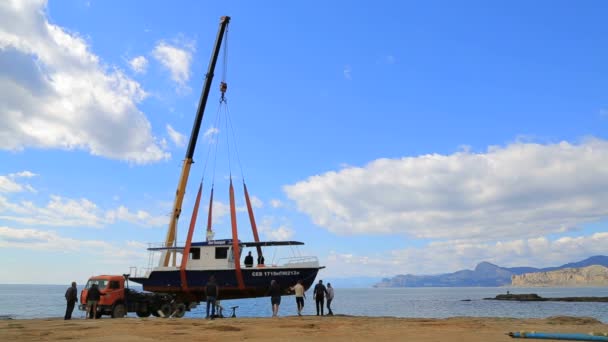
pixel 93 296
pixel 275 297
pixel 319 295
pixel 212 292
pixel 300 296
pixel 71 297
pixel 330 297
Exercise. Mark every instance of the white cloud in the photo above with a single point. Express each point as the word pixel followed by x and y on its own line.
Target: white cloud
pixel 139 64
pixel 520 190
pixel 55 93
pixel 177 138
pixel 9 184
pixel 348 72
pixel 58 211
pixel 24 174
pixel 176 59
pixel 210 134
pixel 66 212
pixel 275 232
pixel 451 256
pixel 34 239
pixel 140 217
pixel 256 202
pixel 275 203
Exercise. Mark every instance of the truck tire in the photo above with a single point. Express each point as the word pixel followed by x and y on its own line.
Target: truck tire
pixel 143 313
pixel 154 312
pixel 180 310
pixel 165 310
pixel 119 311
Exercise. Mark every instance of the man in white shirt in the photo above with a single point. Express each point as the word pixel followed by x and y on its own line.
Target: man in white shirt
pixel 299 290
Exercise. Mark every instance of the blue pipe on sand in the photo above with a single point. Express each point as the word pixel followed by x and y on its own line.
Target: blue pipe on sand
pixel 558 336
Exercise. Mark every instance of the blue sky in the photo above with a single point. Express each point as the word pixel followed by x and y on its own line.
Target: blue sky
pixel 417 137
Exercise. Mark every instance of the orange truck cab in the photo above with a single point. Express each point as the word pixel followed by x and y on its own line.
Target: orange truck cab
pixel 117 299
pixel 112 300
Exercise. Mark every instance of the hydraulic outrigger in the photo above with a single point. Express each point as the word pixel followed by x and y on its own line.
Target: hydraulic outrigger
pixel 183 178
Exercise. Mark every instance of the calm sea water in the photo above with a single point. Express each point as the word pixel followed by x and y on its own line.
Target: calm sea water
pixel 43 301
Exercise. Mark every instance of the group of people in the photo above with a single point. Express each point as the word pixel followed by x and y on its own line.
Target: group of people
pixel 319 294
pixel 71 297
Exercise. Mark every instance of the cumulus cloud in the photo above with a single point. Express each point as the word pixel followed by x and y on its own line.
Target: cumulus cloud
pixel 139 64
pixel 55 93
pixel 348 72
pixel 140 217
pixel 210 134
pixel 34 239
pixel 67 212
pixel 176 58
pixel 275 203
pixel 177 138
pixel 521 190
pixel 275 231
pixel 450 256
pixel 10 184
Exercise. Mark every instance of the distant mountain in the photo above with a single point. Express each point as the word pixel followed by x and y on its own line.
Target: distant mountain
pixel 484 274
pixel 594 275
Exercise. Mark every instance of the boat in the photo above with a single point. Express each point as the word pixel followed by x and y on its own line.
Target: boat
pixel 183 271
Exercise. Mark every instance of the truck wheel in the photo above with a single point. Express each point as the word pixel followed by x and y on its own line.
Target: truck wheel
pixel 143 313
pixel 165 310
pixel 180 310
pixel 119 311
pixel 155 312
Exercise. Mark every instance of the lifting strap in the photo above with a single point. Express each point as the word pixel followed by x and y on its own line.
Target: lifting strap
pixel 186 253
pixel 254 227
pixel 210 217
pixel 235 240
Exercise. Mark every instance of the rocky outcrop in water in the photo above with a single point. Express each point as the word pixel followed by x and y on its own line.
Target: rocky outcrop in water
pixel 594 275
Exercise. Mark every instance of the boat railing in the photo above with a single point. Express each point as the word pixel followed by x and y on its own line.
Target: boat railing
pixel 299 261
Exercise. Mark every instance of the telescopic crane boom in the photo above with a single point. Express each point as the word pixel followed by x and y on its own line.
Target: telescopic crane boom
pixel 183 178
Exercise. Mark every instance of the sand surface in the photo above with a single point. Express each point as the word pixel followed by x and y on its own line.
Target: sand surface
pixel 307 328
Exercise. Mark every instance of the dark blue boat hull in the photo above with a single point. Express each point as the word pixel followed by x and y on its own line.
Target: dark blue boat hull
pixel 256 280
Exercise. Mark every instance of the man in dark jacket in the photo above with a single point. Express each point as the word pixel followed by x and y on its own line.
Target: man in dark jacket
pixel 71 297
pixel 93 296
pixel 212 292
pixel 319 295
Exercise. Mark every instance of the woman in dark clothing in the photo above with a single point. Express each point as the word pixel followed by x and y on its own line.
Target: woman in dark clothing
pixel 275 297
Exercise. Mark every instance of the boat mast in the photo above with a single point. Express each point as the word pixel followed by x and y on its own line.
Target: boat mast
pixel 183 179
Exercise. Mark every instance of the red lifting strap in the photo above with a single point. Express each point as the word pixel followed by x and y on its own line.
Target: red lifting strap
pixel 235 240
pixel 186 254
pixel 210 217
pixel 254 227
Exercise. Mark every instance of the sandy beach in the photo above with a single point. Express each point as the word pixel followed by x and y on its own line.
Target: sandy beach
pixel 307 328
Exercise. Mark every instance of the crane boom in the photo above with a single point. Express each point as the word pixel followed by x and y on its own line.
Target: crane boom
pixel 183 178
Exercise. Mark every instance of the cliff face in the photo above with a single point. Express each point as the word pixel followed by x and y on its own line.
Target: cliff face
pixel 594 275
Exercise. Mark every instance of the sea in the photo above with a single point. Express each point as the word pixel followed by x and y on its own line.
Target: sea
pixel 47 301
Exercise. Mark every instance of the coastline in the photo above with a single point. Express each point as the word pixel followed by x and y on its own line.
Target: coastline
pixel 292 328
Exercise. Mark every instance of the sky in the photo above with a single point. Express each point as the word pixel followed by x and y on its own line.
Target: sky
pixel 391 137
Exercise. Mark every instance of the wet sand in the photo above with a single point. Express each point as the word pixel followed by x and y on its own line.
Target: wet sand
pixel 306 328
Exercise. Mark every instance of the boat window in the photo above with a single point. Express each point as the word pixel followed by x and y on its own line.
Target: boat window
pixel 221 252
pixel 195 254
